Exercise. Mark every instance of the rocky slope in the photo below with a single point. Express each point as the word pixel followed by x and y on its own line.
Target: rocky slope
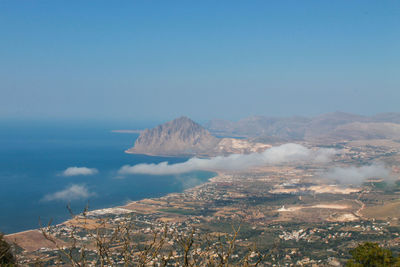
pixel 181 136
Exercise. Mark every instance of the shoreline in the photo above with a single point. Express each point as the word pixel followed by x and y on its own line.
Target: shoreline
pixel 119 208
pixel 180 155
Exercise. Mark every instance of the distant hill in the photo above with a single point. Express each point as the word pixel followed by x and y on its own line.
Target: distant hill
pixel 181 136
pixel 258 126
pixel 330 127
pixel 369 130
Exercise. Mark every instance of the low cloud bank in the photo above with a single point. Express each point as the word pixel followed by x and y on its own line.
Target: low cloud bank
pixel 357 175
pixel 73 192
pixel 74 171
pixel 287 153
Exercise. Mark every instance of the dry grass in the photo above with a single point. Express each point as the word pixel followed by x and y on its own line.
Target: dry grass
pixel 31 240
pixel 89 224
pixel 383 212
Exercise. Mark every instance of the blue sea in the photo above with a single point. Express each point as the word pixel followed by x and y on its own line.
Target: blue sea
pixel 33 155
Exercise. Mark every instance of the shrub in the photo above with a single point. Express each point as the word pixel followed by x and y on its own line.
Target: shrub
pixel 6 257
pixel 370 254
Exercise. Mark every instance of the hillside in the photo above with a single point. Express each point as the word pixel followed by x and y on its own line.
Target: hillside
pixel 332 126
pixel 181 136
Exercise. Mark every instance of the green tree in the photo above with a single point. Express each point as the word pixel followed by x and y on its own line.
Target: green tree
pixel 371 255
pixel 6 257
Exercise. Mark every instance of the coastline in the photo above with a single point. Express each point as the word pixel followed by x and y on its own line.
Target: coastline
pixel 178 155
pixel 129 207
pixel 138 203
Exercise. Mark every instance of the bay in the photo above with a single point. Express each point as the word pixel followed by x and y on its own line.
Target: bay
pixel 34 154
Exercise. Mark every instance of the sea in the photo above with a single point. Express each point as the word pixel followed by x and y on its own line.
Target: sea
pixel 34 155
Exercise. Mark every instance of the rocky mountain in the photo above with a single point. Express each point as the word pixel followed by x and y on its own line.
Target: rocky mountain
pixel 184 137
pixel 181 136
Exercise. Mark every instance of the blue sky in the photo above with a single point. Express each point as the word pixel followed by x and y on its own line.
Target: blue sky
pixel 155 60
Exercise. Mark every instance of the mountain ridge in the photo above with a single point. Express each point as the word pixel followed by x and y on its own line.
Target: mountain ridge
pixel 329 126
pixel 184 137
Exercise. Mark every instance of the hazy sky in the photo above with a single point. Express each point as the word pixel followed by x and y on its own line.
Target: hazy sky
pixel 204 59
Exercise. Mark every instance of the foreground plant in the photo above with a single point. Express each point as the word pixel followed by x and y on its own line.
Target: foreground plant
pixel 6 256
pixel 371 254
pixel 122 244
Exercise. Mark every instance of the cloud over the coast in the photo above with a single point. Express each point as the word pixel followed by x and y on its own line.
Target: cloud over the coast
pixel 73 192
pixel 357 175
pixel 287 153
pixel 74 171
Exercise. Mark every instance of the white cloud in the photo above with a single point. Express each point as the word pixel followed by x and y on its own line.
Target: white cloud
pixel 357 175
pixel 72 192
pixel 287 153
pixel 73 171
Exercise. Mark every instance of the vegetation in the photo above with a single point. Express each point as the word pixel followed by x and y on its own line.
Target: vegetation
pixel 6 257
pixel 122 244
pixel 370 254
pixel 169 248
pixel 182 211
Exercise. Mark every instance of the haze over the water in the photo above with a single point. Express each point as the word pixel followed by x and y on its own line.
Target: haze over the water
pixel 204 59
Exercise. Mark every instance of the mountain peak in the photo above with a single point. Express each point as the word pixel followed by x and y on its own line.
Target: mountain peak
pixel 183 119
